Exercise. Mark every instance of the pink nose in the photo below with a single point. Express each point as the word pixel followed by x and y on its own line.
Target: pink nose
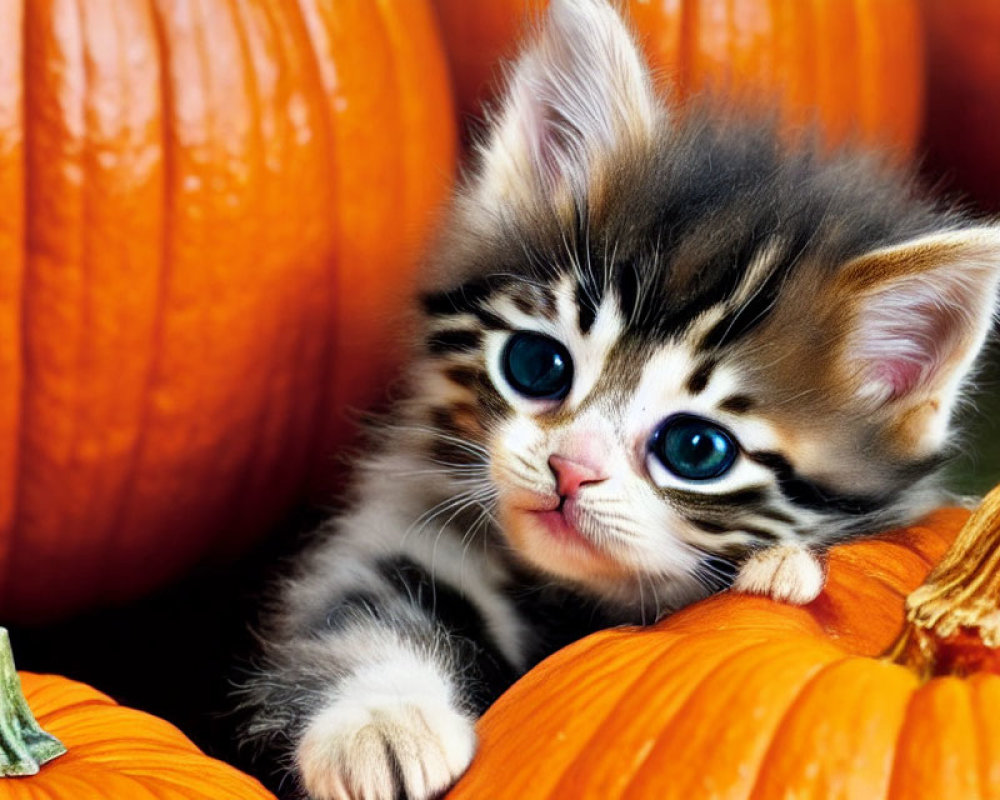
pixel 571 475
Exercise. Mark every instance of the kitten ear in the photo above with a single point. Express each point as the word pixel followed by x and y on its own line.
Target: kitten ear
pixel 578 96
pixel 918 314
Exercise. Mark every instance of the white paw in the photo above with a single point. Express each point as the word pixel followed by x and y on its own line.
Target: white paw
pixel 788 574
pixel 388 724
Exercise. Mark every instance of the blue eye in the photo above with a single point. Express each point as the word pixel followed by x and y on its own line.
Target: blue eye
pixel 694 448
pixel 537 366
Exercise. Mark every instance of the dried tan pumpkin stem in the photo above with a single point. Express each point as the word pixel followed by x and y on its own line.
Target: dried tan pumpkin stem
pixel 961 594
pixel 24 746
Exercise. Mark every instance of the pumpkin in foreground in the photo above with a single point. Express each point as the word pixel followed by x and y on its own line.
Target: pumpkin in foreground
pixel 210 218
pixel 84 745
pixel 740 697
pixel 855 67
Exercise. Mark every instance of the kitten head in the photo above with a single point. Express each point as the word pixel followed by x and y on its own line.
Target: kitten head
pixel 673 341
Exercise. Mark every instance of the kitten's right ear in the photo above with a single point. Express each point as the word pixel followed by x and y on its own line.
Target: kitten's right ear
pixel 578 97
pixel 917 315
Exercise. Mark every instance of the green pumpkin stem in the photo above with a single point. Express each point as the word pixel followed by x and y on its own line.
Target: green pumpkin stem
pixel 953 619
pixel 24 746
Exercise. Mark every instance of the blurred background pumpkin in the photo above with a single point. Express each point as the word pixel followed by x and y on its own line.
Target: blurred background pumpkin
pixel 856 68
pixel 963 97
pixel 211 219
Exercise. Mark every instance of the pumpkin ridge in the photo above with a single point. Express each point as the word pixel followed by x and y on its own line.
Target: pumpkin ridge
pixel 164 272
pixel 587 743
pixel 730 612
pixel 783 722
pixel 571 765
pixel 76 705
pixel 604 650
pixel 911 729
pixel 638 789
pixel 245 477
pixel 869 573
pixel 105 526
pixel 97 777
pixel 981 737
pixel 81 356
pixel 12 537
pixel 889 539
pixel 978 685
pixel 876 696
pixel 332 258
pixel 308 400
pixel 593 656
pixel 13 247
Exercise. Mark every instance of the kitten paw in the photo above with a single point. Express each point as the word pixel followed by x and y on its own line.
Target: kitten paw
pixel 788 574
pixel 391 731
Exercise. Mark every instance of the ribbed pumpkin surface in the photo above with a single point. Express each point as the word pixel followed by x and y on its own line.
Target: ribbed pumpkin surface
pixel 118 753
pixel 855 65
pixel 210 216
pixel 740 697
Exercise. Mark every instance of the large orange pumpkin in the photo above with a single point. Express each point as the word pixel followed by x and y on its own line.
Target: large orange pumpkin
pixel 210 213
pixel 741 697
pixel 855 66
pixel 963 96
pixel 70 741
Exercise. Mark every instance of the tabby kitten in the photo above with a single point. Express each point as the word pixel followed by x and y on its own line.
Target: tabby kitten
pixel 662 357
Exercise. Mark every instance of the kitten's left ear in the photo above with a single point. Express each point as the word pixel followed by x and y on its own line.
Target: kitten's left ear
pixel 917 316
pixel 579 98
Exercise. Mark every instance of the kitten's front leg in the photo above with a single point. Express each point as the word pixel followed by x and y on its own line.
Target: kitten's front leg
pixel 787 573
pixel 395 720
pixel 378 664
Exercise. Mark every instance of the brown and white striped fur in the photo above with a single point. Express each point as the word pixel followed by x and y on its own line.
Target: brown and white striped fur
pixel 814 308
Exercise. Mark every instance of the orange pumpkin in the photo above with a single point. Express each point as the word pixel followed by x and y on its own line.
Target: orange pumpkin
pixel 856 67
pixel 84 745
pixel 210 218
pixel 742 697
pixel 963 98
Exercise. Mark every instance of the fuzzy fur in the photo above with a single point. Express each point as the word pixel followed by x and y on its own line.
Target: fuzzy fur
pixel 815 307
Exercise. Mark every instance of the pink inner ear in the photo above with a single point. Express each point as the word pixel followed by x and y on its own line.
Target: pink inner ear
pixel 899 376
pixel 908 336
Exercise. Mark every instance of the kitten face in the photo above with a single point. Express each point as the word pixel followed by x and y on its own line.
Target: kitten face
pixel 671 342
pixel 679 515
pixel 638 469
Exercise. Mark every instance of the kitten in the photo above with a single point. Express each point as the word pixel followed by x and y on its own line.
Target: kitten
pixel 663 356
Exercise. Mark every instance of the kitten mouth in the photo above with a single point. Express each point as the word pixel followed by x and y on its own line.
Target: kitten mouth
pixel 548 530
pixel 562 523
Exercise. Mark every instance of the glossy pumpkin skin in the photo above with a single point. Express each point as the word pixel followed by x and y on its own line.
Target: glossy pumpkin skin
pixel 963 97
pixel 117 752
pixel 741 697
pixel 855 66
pixel 211 213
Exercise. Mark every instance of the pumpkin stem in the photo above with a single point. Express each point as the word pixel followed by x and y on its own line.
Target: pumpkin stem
pixel 24 746
pixel 956 611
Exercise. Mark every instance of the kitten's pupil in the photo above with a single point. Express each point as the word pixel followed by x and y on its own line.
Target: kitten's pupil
pixel 694 448
pixel 537 366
